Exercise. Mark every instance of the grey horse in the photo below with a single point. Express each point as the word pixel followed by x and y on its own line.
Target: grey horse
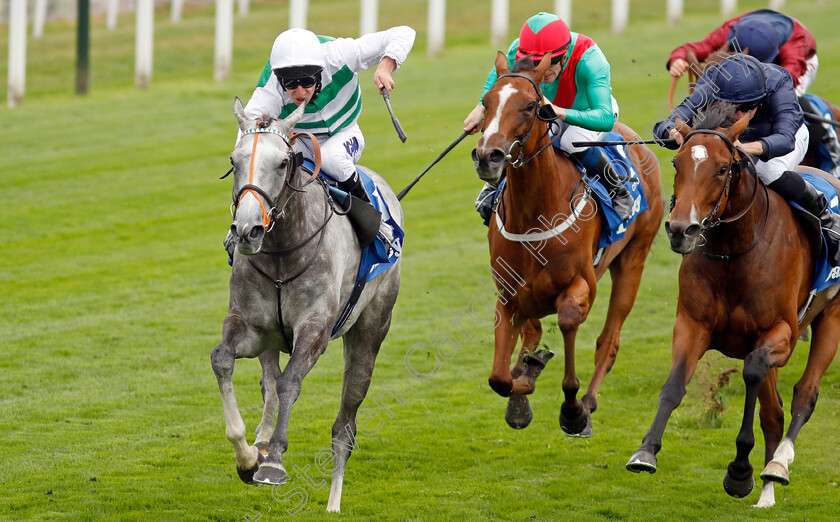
pixel 293 272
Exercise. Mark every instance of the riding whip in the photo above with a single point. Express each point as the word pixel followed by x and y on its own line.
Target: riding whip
pixel 394 120
pixel 817 117
pixel 404 191
pixel 663 143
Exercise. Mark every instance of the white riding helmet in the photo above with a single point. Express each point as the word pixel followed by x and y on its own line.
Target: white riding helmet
pixel 297 49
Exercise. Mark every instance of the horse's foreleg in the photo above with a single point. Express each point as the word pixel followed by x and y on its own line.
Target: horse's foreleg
pixel 310 342
pixel 238 340
pixel 626 275
pixel 571 311
pixel 773 349
pixel 506 334
pixel 826 334
pixel 361 345
pixel 772 418
pixel 270 364
pixel 691 340
pixel 529 364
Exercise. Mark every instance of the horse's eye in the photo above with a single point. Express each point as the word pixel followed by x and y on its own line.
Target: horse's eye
pixel 531 106
pixel 284 164
pixel 723 170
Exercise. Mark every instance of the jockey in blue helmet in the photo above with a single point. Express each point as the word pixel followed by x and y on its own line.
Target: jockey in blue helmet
pixel 776 136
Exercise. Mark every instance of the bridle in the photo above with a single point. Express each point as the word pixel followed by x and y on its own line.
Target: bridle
pixel 737 165
pixel 519 161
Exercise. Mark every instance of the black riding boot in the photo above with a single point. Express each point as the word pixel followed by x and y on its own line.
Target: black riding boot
pixel 622 201
pixel 791 186
pixel 354 186
pixel 484 201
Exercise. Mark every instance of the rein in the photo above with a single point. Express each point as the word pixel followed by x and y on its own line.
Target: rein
pixel 518 162
pixel 736 165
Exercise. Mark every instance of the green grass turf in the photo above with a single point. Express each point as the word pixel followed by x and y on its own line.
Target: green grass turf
pixel 114 287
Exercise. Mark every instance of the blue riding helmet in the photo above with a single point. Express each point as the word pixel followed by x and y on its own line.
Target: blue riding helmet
pixel 756 38
pixel 738 79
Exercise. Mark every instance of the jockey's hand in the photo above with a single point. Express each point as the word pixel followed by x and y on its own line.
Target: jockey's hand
pixel 754 148
pixel 382 77
pixel 675 135
pixel 475 120
pixel 678 67
pixel 560 112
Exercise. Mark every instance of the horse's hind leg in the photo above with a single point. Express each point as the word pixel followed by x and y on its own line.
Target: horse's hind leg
pixel 238 340
pixel 772 425
pixel 529 364
pixel 309 344
pixel 826 335
pixel 626 275
pixel 270 363
pixel 773 350
pixel 361 346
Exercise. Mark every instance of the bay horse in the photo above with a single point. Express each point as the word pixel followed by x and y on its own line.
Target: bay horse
pixel 294 270
pixel 557 270
pixel 728 225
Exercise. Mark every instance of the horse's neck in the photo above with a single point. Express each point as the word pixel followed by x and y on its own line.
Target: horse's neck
pixel 542 187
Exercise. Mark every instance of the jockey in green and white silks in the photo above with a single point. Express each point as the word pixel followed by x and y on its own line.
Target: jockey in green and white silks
pixel 577 88
pixel 322 72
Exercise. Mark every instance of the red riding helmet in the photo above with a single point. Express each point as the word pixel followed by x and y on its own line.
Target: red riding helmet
pixel 544 33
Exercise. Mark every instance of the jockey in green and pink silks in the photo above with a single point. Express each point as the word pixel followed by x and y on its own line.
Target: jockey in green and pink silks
pixel 577 88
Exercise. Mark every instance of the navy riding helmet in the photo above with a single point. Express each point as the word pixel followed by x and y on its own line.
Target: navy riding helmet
pixel 738 79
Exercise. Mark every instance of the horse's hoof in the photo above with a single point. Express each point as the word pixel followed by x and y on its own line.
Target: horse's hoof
pixel 247 475
pixel 642 460
pixel 580 426
pixel 518 414
pixel 538 358
pixel 776 472
pixel 738 488
pixel 270 473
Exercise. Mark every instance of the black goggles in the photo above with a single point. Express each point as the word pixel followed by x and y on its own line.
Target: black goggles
pixel 291 84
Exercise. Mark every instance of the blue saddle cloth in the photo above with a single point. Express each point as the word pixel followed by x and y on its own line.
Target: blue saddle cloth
pixel 614 229
pixel 824 274
pixel 381 254
pixel 823 156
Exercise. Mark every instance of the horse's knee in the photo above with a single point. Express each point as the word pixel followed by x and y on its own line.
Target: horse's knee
pixel 756 366
pixel 222 360
pixel 569 315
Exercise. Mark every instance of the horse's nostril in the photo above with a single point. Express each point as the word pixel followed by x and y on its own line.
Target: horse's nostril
pixel 256 232
pixel 496 156
pixel 475 156
pixel 692 230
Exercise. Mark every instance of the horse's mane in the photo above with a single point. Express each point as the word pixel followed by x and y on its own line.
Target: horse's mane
pixel 716 114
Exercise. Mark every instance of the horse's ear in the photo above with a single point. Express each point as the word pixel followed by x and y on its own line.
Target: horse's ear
pixel 682 127
pixel 293 118
pixel 735 130
pixel 501 64
pixel 239 112
pixel 545 63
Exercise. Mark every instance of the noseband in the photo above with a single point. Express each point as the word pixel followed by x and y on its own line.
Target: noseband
pixel 519 161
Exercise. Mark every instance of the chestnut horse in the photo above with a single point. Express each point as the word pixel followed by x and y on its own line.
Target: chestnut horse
pixel 554 269
pixel 728 226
